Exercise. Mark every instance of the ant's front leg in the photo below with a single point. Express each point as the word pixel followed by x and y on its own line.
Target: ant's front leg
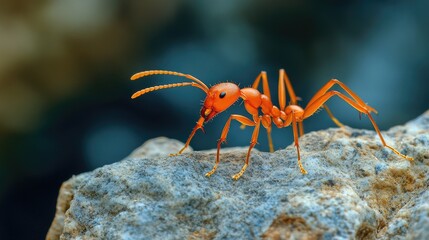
pixel 199 125
pixel 243 120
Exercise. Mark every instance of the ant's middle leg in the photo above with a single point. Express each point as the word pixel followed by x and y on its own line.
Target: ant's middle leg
pixel 265 85
pixel 295 137
pixel 253 142
pixel 243 120
pixel 333 118
pixel 284 80
pixel 266 91
pixel 301 128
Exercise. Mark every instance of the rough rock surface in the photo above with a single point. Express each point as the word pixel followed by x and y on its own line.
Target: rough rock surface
pixel 355 189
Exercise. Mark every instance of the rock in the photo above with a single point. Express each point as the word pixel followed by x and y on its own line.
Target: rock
pixel 157 147
pixel 354 189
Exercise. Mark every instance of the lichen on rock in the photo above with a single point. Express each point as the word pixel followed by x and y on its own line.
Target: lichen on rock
pixel 355 188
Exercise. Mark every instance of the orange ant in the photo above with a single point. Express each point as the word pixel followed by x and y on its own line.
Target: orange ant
pixel 221 96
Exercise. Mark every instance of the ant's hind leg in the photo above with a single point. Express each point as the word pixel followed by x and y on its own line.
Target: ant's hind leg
pixel 312 107
pixel 353 95
pixel 384 142
pixel 243 120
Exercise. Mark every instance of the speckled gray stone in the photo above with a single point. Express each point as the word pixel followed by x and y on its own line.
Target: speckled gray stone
pixel 354 188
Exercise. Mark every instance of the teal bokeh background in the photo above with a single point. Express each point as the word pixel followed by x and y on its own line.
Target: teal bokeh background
pixel 65 68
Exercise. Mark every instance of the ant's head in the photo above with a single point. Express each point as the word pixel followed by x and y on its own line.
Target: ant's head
pixel 219 97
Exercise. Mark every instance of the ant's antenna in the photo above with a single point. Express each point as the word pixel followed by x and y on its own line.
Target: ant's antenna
pixel 197 83
pixel 159 87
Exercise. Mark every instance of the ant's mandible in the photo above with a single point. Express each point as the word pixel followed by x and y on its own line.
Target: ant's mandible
pixel 221 96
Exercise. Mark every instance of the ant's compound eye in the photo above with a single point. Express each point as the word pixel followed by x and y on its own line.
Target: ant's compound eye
pixel 222 94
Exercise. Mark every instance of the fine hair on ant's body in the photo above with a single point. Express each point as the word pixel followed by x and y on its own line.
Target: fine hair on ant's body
pixel 221 96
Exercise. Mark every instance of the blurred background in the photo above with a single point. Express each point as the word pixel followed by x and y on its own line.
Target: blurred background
pixel 65 104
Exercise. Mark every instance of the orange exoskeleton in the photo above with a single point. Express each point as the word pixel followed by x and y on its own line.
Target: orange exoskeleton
pixel 221 96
